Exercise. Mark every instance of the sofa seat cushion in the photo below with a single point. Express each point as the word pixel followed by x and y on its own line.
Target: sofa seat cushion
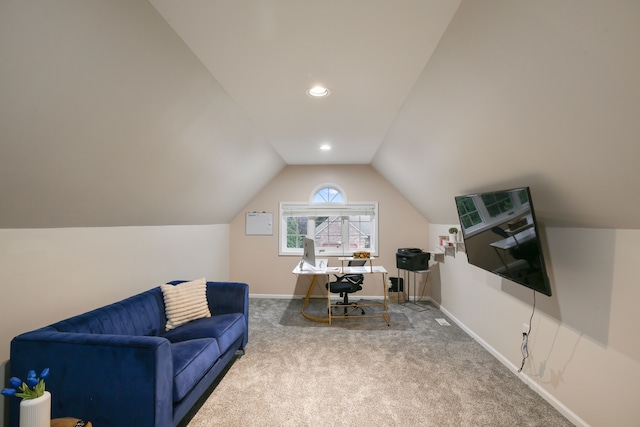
pixel 191 361
pixel 225 328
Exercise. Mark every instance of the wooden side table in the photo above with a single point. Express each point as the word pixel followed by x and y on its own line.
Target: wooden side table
pixel 69 422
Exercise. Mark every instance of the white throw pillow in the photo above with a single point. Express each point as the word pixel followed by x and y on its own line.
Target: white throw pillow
pixel 185 302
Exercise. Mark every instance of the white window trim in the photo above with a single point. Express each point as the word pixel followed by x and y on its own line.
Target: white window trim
pixel 488 222
pixel 326 209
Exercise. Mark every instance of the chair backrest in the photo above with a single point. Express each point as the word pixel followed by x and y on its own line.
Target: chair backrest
pixel 355 278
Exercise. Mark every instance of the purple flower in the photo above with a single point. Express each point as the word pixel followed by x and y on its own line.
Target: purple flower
pixel 15 382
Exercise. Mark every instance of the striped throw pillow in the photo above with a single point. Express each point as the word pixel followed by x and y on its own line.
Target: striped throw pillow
pixel 185 302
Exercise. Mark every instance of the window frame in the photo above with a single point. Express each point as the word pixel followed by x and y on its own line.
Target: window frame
pixel 487 221
pixel 314 210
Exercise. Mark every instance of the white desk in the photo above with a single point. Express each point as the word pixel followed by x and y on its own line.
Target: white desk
pixel 517 238
pixel 350 258
pixel 325 273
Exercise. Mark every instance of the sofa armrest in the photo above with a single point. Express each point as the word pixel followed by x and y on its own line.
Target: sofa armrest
pixel 230 297
pixel 227 297
pixel 108 379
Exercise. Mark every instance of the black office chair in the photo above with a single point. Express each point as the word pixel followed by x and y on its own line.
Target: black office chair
pixel 348 284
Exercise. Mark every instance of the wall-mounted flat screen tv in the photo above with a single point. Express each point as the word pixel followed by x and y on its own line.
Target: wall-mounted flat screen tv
pixel 501 235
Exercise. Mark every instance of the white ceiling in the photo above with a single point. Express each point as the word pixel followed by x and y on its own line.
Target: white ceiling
pixel 441 97
pixel 266 54
pixel 143 112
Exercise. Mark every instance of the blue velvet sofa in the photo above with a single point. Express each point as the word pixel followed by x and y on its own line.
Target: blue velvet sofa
pixel 117 365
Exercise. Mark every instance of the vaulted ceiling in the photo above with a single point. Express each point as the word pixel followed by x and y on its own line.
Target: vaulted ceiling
pixel 121 112
pixel 267 54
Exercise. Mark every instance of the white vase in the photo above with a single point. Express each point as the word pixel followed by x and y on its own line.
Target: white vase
pixel 36 412
pixel 453 237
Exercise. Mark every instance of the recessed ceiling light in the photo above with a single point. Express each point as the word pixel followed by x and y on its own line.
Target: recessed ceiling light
pixel 325 147
pixel 318 92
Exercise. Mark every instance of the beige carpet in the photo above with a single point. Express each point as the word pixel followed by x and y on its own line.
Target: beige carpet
pixel 413 373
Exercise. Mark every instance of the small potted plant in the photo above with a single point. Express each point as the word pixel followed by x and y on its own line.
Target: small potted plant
pixel 35 407
pixel 453 234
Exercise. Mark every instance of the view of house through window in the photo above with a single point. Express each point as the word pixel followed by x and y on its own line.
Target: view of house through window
pixel 481 211
pixel 337 227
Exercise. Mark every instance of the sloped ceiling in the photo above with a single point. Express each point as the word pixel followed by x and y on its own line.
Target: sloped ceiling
pixel 267 54
pixel 108 119
pixel 122 112
pixel 544 94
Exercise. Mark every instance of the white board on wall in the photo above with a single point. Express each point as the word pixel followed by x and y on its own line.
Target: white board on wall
pixel 259 223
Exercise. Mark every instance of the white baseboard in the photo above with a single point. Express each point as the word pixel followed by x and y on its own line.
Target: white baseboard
pixel 569 414
pixel 275 296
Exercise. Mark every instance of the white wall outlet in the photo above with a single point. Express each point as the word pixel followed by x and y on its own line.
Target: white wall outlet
pixel 525 328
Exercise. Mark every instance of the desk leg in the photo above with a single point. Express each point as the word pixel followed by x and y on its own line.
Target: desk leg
pixel 314 281
pixel 329 303
pixel 503 260
pixel 385 298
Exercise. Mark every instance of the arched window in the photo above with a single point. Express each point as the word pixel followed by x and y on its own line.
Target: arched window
pixel 337 227
pixel 328 195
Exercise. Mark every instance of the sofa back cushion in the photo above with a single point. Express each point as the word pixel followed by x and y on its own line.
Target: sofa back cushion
pixel 141 314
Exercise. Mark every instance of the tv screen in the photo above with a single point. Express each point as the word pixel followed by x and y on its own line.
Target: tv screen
pixel 501 235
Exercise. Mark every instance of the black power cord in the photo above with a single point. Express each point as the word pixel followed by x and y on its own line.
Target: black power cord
pixel 524 347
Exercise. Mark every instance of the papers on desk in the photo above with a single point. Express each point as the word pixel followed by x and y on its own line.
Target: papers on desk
pixel 320 267
pixel 307 269
pixel 321 264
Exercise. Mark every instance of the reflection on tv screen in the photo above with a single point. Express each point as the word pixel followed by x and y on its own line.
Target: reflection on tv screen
pixel 501 236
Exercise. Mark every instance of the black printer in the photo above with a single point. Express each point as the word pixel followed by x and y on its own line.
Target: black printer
pixel 412 259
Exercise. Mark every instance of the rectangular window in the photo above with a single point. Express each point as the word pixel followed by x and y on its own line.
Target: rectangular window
pixel 338 230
